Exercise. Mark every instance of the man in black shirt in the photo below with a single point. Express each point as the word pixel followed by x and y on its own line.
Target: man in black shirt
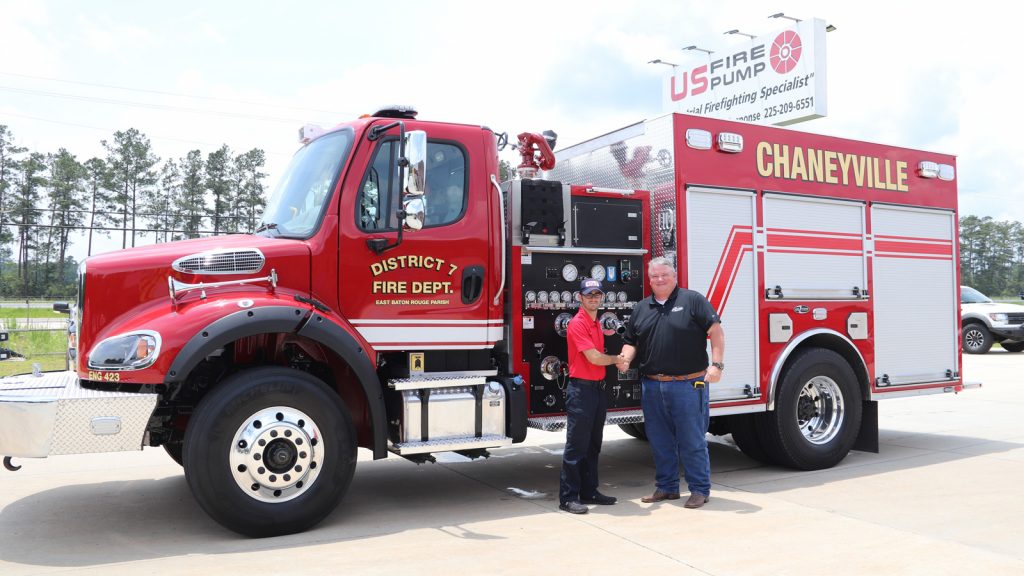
pixel 668 332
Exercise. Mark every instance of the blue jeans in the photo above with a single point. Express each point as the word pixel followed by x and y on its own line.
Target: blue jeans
pixel 676 417
pixel 586 406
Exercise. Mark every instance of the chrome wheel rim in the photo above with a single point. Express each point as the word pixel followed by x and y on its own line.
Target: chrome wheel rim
pixel 276 454
pixel 820 410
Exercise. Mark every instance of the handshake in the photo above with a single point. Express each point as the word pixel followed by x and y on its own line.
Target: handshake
pixel 621 362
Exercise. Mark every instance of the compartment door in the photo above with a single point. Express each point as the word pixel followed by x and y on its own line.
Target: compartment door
pixel 917 317
pixel 720 264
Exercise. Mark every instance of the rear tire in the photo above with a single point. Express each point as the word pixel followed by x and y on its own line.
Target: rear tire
pixel 635 430
pixel 745 433
pixel 976 338
pixel 1012 346
pixel 270 451
pixel 818 408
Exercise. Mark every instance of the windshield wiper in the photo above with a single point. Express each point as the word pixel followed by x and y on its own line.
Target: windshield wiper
pixel 266 226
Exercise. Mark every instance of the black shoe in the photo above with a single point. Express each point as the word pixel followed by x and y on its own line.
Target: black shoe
pixel 573 507
pixel 601 499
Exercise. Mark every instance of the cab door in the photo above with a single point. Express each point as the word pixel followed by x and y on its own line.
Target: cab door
pixel 430 292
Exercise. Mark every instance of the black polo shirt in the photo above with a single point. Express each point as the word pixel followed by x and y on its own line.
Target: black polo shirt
pixel 671 338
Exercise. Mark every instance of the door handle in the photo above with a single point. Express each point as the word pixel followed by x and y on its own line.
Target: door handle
pixel 472 283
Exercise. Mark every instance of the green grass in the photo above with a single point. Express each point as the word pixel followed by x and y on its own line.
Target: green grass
pixel 23 312
pixel 45 347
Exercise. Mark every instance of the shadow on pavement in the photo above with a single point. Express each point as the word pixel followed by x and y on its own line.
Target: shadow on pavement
pixel 123 521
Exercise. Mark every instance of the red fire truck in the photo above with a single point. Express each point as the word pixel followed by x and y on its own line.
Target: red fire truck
pixel 398 298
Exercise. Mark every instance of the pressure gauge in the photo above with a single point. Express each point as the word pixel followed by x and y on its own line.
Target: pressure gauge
pixel 531 297
pixel 570 273
pixel 597 272
pixel 623 297
pixel 542 297
pixel 609 297
pixel 566 296
pixel 576 296
pixel 553 297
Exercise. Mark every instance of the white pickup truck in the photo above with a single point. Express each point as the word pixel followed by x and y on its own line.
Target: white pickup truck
pixel 984 322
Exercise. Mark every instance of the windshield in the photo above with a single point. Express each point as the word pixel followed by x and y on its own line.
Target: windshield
pixel 971 296
pixel 298 201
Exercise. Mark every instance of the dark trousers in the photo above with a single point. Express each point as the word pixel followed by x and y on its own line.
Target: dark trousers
pixel 586 406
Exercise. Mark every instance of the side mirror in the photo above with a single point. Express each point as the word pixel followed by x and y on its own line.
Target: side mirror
pixel 414 208
pixel 416 155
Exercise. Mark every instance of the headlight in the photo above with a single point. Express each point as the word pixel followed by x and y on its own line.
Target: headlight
pixel 998 318
pixel 132 351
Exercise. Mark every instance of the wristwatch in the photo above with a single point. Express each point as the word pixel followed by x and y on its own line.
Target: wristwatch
pixel 718 365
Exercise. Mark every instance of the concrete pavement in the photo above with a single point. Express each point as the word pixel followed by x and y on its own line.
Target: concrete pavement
pixel 944 496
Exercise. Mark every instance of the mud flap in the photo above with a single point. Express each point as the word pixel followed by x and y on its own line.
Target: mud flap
pixel 515 407
pixel 867 438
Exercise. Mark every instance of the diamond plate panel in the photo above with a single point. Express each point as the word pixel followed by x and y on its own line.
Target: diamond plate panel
pixel 637 157
pixel 53 414
pixel 448 444
pixel 556 423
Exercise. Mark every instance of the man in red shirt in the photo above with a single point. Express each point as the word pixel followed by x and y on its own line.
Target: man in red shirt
pixel 585 404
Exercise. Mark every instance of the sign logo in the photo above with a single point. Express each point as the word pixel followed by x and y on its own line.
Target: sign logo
pixel 778 78
pixel 785 52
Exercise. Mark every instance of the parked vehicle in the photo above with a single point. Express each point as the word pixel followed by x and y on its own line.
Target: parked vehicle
pixel 984 323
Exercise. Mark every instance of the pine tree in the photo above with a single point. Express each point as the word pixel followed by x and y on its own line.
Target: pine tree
pixel 252 190
pixel 131 161
pixel 190 205
pixel 218 182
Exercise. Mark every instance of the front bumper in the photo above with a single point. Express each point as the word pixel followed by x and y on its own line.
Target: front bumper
pixel 1008 332
pixel 52 414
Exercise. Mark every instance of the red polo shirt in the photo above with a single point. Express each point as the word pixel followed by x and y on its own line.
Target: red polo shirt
pixel 584 334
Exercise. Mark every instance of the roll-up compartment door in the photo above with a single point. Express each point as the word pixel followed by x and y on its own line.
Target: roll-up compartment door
pixel 917 318
pixel 814 248
pixel 721 265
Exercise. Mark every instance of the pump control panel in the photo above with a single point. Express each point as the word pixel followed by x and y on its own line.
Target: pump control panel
pixel 601 238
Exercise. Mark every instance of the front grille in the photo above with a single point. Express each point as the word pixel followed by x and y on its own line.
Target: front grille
pixel 246 261
pixel 1015 318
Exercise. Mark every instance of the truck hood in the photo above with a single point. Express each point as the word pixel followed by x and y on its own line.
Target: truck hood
pixel 126 282
pixel 993 308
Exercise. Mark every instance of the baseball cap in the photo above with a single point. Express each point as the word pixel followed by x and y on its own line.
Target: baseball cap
pixel 590 285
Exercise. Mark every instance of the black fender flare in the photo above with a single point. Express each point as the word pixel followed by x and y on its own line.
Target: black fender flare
pixel 261 320
pixel 335 337
pixel 289 319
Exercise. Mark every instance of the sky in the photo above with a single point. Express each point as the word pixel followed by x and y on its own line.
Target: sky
pixel 940 76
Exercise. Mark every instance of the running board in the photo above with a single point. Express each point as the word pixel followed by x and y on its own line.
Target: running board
pixel 451 444
pixel 446 381
pixel 556 423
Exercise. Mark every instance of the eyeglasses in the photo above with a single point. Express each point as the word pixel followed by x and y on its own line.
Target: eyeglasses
pixel 660 276
pixel 594 295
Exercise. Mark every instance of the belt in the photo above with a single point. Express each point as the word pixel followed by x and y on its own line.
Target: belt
pixel 673 378
pixel 599 384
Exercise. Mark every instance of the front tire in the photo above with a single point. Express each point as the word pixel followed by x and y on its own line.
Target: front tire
pixel 976 338
pixel 174 450
pixel 817 414
pixel 270 451
pixel 1012 346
